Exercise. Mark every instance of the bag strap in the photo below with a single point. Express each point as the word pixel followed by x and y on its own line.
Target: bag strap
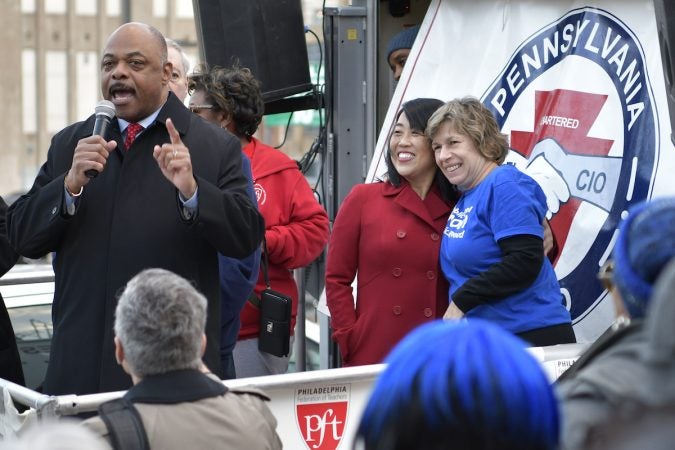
pixel 252 297
pixel 265 264
pixel 124 425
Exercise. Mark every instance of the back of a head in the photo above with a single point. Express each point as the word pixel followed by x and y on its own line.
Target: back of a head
pixel 463 385
pixel 160 320
pixel 645 244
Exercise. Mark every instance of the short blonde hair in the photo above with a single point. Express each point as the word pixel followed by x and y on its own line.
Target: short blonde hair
pixel 471 118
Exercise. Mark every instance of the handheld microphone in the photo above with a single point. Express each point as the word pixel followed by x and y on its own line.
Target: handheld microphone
pixel 105 111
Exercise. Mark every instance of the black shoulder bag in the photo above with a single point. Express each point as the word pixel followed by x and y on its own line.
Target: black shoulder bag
pixel 275 316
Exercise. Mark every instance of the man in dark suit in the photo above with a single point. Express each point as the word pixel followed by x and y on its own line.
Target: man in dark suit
pixel 10 363
pixel 173 198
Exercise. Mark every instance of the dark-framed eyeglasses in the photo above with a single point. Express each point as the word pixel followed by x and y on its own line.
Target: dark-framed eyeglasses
pixel 606 274
pixel 198 108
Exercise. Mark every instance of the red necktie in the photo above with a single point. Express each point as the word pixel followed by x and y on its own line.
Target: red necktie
pixel 132 131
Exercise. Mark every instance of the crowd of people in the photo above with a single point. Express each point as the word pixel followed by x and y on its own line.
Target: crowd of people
pixel 158 228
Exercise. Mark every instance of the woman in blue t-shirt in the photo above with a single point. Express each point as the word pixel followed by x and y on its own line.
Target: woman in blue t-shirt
pixel 492 248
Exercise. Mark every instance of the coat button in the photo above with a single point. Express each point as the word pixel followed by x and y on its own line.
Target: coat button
pixel 397 310
pixel 431 275
pixel 396 272
pixel 400 234
pixel 435 236
pixel 54 210
pixel 428 312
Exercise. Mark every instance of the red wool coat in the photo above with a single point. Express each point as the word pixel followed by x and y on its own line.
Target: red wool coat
pixel 391 238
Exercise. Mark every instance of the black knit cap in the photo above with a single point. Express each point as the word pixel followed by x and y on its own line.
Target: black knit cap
pixel 403 39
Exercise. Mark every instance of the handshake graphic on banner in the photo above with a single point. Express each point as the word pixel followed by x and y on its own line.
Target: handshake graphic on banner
pixel 562 175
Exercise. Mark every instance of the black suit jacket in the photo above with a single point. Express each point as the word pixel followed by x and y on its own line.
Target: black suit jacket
pixel 10 363
pixel 127 220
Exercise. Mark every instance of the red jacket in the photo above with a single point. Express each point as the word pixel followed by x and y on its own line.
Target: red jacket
pixel 392 239
pixel 296 225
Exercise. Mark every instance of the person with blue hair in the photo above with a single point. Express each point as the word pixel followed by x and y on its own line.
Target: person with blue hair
pixel 640 345
pixel 479 390
pixel 646 244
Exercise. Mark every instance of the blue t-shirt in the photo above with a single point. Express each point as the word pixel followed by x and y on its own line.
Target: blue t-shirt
pixel 506 203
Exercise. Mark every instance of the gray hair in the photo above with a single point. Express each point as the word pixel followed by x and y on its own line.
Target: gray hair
pixel 160 319
pixel 183 57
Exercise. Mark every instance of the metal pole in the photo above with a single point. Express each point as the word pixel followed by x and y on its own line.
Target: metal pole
pixel 28 397
pixel 300 349
pixel 126 11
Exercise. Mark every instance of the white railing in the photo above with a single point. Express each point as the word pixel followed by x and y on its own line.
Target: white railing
pixel 309 406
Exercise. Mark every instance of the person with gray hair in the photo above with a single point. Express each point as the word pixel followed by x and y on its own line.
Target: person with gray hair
pixel 159 311
pixel 180 68
pixel 159 341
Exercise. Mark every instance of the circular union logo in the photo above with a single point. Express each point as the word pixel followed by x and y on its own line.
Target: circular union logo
pixel 577 104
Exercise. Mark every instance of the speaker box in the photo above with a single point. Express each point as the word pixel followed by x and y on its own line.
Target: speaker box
pixel 267 36
pixel 665 25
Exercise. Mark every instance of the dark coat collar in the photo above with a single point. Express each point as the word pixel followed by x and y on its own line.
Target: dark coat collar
pixel 175 387
pixel 175 110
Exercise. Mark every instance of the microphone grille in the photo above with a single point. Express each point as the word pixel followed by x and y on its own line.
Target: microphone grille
pixel 105 107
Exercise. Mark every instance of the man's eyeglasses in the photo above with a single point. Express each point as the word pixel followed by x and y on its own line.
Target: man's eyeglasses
pixel 606 274
pixel 198 108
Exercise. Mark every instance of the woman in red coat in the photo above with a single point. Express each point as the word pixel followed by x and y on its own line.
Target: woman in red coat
pixel 389 234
